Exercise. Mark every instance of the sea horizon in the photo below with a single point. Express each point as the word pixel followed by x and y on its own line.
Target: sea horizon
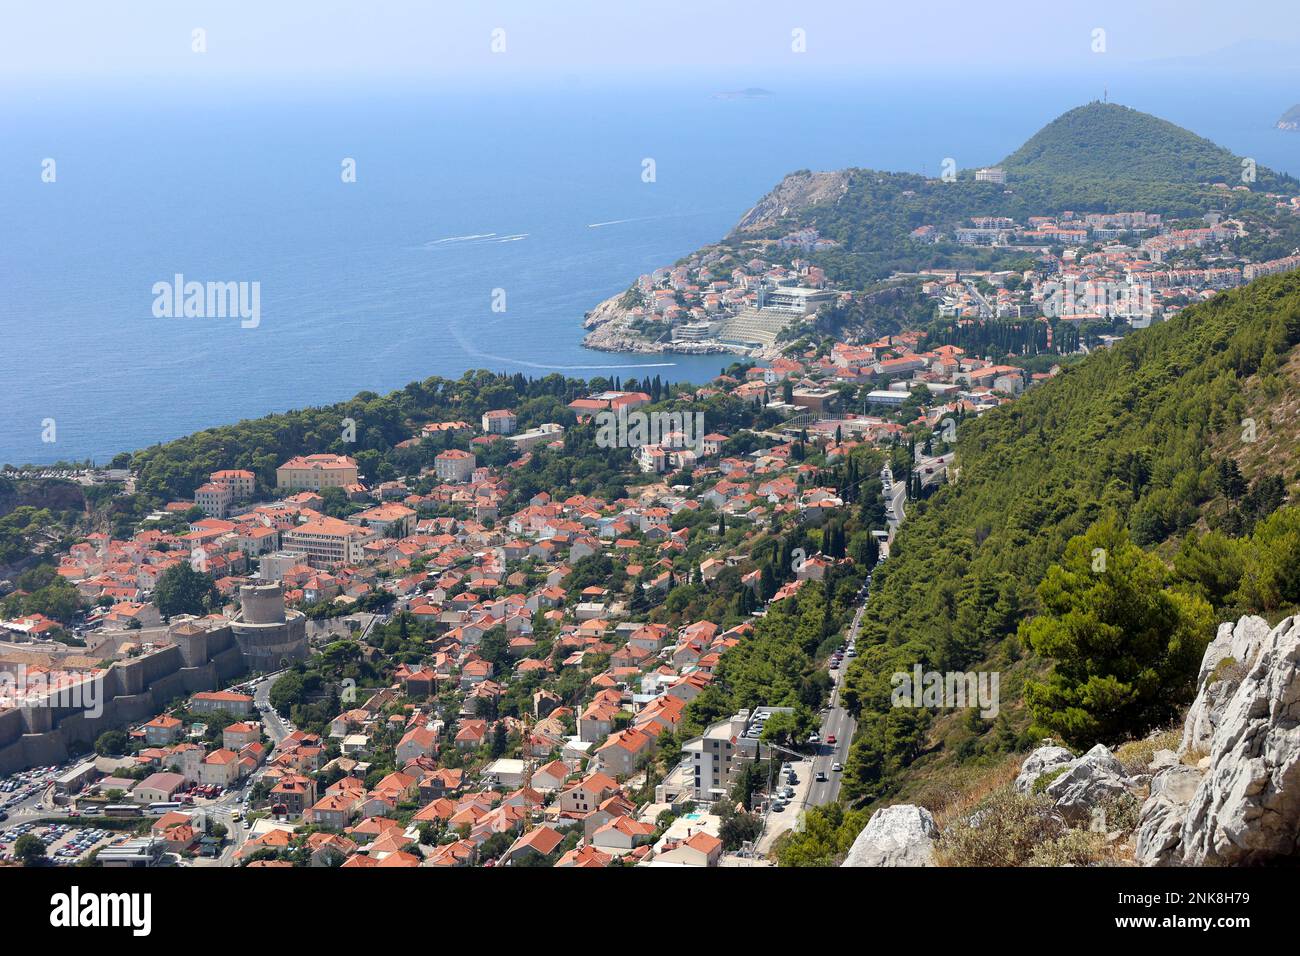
pixel 368 285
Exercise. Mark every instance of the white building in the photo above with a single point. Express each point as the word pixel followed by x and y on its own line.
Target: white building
pixel 500 421
pixel 714 755
pixel 454 465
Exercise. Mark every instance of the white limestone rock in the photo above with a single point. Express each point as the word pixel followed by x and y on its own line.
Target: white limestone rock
pixel 1086 783
pixel 1246 810
pixel 1239 642
pixel 1041 761
pixel 901 835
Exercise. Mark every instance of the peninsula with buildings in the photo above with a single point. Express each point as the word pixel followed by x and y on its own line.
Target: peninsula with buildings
pixel 1002 243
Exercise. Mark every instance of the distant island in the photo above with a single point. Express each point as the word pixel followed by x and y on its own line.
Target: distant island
pixel 1290 119
pixel 749 93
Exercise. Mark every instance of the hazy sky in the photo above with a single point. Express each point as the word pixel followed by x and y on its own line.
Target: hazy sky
pixel 43 40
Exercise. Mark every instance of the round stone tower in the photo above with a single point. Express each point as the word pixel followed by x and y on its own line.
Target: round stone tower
pixel 268 636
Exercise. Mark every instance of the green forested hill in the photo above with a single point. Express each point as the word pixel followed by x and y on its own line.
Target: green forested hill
pixel 1138 433
pixel 1113 142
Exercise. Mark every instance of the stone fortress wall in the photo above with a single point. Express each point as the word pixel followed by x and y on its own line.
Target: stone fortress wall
pixel 203 654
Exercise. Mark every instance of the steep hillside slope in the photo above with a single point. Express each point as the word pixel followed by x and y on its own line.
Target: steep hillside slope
pixel 1136 432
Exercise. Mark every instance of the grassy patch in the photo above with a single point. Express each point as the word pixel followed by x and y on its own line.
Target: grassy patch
pixel 1136 755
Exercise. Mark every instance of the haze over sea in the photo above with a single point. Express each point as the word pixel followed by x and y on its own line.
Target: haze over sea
pixel 370 285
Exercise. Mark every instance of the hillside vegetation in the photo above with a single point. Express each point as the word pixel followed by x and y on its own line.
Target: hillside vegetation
pixel 1128 447
pixel 1101 157
pixel 1115 143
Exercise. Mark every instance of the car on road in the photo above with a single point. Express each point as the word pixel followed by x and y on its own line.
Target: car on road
pixel 837 767
pixel 814 739
pixel 821 776
pixel 830 738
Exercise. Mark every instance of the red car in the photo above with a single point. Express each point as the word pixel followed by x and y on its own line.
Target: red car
pixel 830 738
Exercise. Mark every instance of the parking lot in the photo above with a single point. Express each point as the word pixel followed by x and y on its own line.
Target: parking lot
pixel 793 788
pixel 65 843
pixel 20 792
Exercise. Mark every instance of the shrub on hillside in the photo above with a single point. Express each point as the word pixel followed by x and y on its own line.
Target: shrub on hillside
pixel 1004 831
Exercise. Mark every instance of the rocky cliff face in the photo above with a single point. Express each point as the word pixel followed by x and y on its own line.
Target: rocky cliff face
pixel 795 193
pixel 610 332
pixel 1234 796
pixel 1228 796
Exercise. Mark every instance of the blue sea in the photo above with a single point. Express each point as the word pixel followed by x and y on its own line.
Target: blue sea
pixel 369 285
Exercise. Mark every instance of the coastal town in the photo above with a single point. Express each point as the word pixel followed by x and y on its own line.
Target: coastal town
pixel 837 438
pixel 431 667
pixel 752 296
pixel 515 691
pixel 428 665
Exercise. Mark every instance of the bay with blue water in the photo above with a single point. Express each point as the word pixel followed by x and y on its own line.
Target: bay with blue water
pixel 368 285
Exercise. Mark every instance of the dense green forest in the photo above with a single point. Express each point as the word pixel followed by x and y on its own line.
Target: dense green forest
pixel 1131 435
pixel 172 470
pixel 1112 143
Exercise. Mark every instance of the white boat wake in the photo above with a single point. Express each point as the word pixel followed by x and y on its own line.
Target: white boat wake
pixel 619 222
pixel 475 353
pixel 470 238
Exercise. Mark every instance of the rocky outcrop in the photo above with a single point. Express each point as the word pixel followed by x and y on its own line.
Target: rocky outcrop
pixel 611 331
pixel 1043 760
pixel 794 194
pixel 1160 824
pixel 1244 806
pixel 1224 664
pixel 1247 808
pixel 1080 784
pixel 901 835
pixel 1087 783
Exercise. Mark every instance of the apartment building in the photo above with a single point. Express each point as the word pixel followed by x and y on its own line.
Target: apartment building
pixel 241 482
pixel 315 472
pixel 455 465
pixel 500 421
pixel 714 755
pixel 389 520
pixel 214 499
pixel 328 541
